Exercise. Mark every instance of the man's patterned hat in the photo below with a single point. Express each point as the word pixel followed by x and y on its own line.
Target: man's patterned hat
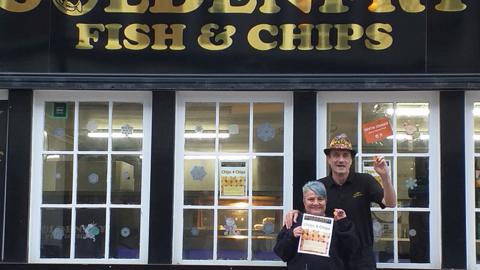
pixel 340 142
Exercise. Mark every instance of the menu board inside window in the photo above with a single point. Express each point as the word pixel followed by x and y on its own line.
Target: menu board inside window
pixel 233 177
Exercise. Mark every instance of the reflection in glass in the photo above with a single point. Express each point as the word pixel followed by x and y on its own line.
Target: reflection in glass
pixel 57 179
pixel 197 234
pixel 413 237
pixel 267 181
pixel 92 179
pixel 234 121
pixel 412 127
pixel 266 225
pixel 476 126
pixel 124 233
pixel 126 179
pixel 59 126
pixel 127 126
pixel 342 118
pixel 90 233
pixel 377 127
pixel 55 233
pixel 268 127
pixel 199 182
pixel 200 131
pixel 382 223
pixel 477 182
pixel 93 126
pixel 412 183
pixel 232 235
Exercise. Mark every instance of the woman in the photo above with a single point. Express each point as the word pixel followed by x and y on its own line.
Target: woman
pixel 344 239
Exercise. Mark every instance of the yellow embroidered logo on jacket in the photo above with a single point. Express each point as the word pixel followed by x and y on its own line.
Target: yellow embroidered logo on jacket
pixel 357 194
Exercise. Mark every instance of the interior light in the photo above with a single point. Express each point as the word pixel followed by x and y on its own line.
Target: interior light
pixel 206 135
pixel 114 135
pixel 419 111
pixel 476 111
pixel 240 205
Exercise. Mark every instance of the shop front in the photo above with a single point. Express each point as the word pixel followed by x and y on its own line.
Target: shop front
pixel 177 134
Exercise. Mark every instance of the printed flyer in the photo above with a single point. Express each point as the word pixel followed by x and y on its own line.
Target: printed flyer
pixel 317 235
pixel 233 179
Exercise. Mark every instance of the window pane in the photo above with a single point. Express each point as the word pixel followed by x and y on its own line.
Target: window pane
pixel 342 118
pixel 93 126
pixel 477 182
pixel 126 179
pixel 58 130
pixel 476 126
pixel 268 127
pixel 197 234
pixel 377 126
pixel 412 127
pixel 412 188
pixel 382 223
pixel 234 122
pixel 200 127
pixel 413 235
pixel 232 235
pixel 199 182
pixel 55 238
pixel 90 239
pixel 92 179
pixel 477 234
pixel 125 233
pixel 57 179
pixel 266 225
pixel 268 181
pixel 127 127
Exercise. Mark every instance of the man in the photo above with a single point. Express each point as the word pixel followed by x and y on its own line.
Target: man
pixel 354 192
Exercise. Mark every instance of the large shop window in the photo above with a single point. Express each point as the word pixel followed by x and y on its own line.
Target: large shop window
pixel 403 127
pixel 472 152
pixel 90 177
pixel 233 173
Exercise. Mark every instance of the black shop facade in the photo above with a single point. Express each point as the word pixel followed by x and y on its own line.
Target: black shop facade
pixel 176 134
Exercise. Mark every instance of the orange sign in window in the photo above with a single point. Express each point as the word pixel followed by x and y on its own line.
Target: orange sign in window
pixel 376 131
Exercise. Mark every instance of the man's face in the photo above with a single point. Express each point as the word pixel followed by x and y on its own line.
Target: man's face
pixel 340 161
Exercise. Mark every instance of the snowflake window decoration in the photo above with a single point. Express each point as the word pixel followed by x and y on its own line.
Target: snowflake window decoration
pixel 126 130
pixel 411 183
pixel 265 132
pixel 198 173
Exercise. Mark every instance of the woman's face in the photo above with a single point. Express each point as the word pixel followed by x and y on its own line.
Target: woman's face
pixel 314 205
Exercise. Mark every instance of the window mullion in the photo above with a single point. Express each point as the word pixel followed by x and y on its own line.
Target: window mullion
pixel 73 226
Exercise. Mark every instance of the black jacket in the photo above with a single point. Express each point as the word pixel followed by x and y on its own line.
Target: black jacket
pixel 344 242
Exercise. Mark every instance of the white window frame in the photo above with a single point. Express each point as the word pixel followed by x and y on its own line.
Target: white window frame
pixel 40 97
pixel 470 98
pixel 434 156
pixel 229 97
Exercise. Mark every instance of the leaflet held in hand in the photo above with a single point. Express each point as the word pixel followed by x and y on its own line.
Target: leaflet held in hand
pixel 317 235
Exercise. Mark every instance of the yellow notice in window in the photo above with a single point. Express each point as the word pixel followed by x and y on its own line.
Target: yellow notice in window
pixel 233 179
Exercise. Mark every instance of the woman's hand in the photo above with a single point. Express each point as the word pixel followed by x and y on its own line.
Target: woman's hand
pixel 298 231
pixel 339 214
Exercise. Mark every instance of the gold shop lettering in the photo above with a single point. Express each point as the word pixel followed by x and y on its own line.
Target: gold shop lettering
pixel 77 7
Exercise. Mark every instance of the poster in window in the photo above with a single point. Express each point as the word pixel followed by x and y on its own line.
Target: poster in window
pixel 317 235
pixel 233 179
pixel 377 130
pixel 368 167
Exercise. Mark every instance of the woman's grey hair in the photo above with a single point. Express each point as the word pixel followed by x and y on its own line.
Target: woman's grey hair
pixel 317 187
